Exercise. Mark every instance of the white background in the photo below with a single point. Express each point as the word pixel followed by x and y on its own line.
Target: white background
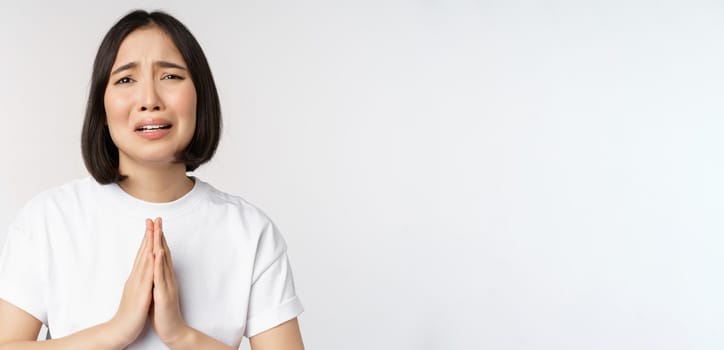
pixel 447 174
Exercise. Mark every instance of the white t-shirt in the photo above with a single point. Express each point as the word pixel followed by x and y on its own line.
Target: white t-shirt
pixel 70 251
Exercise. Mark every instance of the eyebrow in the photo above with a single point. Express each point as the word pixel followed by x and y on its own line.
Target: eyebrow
pixel 164 64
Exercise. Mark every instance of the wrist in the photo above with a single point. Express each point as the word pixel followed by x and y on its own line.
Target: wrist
pixel 184 339
pixel 112 337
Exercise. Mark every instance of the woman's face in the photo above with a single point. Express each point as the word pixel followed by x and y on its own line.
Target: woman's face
pixel 150 100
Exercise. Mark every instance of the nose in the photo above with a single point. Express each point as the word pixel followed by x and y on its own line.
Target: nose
pixel 149 99
pixel 154 108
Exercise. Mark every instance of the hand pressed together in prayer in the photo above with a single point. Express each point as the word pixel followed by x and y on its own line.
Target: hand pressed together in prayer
pixel 151 289
pixel 165 308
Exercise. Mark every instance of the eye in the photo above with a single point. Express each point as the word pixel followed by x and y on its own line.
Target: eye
pixel 124 80
pixel 171 76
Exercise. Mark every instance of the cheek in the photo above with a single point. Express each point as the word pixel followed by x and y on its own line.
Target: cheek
pixel 186 107
pixel 187 102
pixel 117 106
pixel 192 116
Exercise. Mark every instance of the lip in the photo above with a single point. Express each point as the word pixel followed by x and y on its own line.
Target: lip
pixel 153 135
pixel 154 121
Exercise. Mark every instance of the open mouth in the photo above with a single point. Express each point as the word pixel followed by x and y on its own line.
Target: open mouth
pixel 152 128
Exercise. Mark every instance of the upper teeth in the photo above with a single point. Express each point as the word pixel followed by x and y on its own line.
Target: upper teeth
pixel 151 127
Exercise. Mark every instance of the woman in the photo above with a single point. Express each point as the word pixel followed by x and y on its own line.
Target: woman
pixel 210 268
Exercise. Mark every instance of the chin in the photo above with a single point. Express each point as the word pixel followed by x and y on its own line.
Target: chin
pixel 152 161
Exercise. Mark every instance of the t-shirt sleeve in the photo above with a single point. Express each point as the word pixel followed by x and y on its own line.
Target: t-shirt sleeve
pixel 273 299
pixel 22 270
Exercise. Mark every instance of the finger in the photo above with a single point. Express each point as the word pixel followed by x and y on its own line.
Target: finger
pixel 166 266
pixel 147 272
pixel 150 233
pixel 148 249
pixel 142 247
pixel 168 275
pixel 159 278
pixel 144 243
pixel 169 270
pixel 167 251
pixel 156 236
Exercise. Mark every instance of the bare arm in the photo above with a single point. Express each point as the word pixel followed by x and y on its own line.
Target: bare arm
pixel 195 339
pixel 175 332
pixel 19 330
pixel 284 336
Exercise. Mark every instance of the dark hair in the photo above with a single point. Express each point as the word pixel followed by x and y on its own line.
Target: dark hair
pixel 100 154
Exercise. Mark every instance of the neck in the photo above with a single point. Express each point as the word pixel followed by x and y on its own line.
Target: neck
pixel 158 184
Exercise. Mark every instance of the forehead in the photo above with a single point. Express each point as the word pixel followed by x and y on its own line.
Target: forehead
pixel 147 44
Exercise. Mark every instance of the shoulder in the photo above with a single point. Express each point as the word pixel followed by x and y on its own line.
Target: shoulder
pixel 262 231
pixel 235 205
pixel 63 197
pixel 46 208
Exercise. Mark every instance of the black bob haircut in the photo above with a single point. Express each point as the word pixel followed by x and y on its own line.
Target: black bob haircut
pixel 100 154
